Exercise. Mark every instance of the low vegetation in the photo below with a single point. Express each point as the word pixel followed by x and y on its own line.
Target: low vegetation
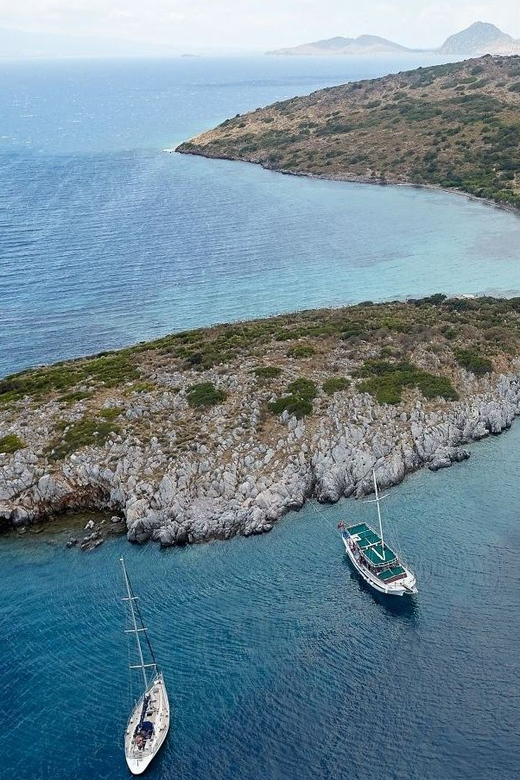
pixel 301 351
pixel 387 380
pixel 335 384
pixel 205 394
pixel 109 370
pixel 454 126
pixel 298 400
pixel 473 361
pixel 84 433
pixel 391 350
pixel 10 444
pixel 265 373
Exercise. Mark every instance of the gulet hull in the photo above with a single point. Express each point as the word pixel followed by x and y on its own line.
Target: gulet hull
pixel 403 587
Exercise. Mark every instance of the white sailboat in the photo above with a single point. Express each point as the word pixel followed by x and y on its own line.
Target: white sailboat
pixel 149 721
pixel 377 564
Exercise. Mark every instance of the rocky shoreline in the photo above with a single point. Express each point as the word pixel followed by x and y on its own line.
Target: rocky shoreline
pixel 235 476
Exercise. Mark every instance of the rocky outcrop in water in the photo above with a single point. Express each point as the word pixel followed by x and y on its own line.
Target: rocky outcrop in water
pixel 230 481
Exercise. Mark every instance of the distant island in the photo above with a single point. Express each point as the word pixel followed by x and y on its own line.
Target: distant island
pixel 365 44
pixel 479 38
pixel 452 126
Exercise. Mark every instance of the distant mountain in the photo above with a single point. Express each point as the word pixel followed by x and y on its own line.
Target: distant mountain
pixel 365 44
pixel 480 38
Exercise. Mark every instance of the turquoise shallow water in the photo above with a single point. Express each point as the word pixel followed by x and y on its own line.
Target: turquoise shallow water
pixel 106 240
pixel 279 663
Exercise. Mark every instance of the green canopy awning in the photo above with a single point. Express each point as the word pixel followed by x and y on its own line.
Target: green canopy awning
pixel 371 545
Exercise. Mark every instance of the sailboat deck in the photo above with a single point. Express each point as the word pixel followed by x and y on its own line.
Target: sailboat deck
pixel 148 724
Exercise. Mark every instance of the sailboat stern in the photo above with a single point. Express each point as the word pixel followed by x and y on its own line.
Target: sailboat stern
pixel 147 727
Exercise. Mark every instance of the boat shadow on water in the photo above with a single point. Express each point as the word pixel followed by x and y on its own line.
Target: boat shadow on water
pixel 405 607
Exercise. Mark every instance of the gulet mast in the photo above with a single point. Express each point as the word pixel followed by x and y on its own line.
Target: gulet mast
pixel 377 501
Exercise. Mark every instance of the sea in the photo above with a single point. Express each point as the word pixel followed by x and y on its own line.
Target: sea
pixel 106 239
pixel 279 663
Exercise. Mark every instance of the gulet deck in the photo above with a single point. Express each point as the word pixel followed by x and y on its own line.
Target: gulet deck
pixel 371 545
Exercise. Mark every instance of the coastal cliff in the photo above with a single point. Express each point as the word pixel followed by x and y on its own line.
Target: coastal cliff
pixel 220 431
pixel 451 126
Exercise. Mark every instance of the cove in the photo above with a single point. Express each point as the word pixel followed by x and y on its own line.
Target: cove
pixel 279 663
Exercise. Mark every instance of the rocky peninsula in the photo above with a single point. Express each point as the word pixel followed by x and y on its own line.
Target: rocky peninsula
pixel 452 126
pixel 220 431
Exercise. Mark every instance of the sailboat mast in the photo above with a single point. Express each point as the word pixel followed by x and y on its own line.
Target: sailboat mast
pixel 378 512
pixel 130 598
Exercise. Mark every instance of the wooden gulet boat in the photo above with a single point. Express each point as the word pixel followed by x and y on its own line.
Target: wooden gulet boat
pixel 374 560
pixel 149 720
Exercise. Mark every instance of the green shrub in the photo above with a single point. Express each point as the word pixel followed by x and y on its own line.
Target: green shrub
pixel 432 386
pixel 37 383
pixel 205 394
pixel 472 361
pixel 350 330
pixel 286 335
pixel 267 372
pixel 85 433
pixel 76 395
pixel 194 359
pixel 449 332
pixel 299 401
pixel 335 384
pixel 304 388
pixel 436 299
pixel 394 323
pixel 112 369
pixel 301 351
pixel 386 392
pixel 111 413
pixel 11 443
pixel 148 387
pixel 295 405
pixel 386 381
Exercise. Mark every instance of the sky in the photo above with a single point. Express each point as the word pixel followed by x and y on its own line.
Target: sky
pixel 196 25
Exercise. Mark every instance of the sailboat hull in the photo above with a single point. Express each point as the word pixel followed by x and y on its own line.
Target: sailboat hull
pixel 404 586
pixel 147 727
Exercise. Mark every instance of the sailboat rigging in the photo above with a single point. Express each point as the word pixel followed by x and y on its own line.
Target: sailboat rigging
pixel 149 720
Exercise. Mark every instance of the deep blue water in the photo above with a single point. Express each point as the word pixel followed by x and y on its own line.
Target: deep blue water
pixel 279 663
pixel 106 240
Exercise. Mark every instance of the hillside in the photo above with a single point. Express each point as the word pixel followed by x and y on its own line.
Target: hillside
pixel 364 44
pixel 452 126
pixel 218 431
pixel 480 38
